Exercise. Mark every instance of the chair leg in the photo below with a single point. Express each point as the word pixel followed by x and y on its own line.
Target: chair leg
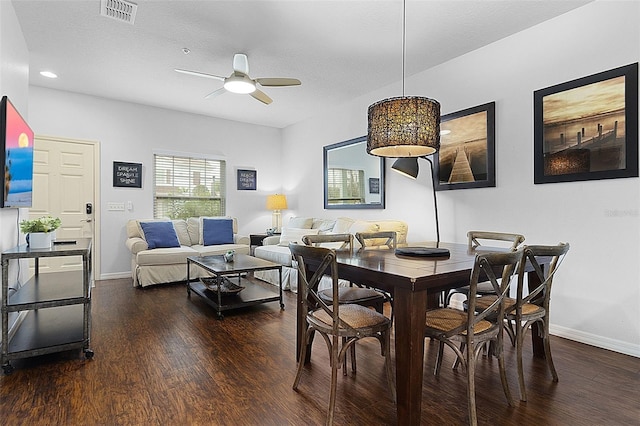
pixel 499 353
pixel 456 363
pixel 520 333
pixel 436 370
pixel 353 358
pixel 387 364
pixel 303 354
pixel 547 352
pixel 471 385
pixel 334 380
pixel 343 361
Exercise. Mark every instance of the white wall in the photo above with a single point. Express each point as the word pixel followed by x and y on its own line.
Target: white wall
pixel 14 83
pixel 596 298
pixel 131 133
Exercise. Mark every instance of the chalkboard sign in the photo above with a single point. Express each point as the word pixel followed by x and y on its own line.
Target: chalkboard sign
pixel 128 175
pixel 247 180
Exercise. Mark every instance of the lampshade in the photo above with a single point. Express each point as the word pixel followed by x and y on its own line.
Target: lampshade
pixel 276 202
pixel 407 166
pixel 407 126
pixel 567 161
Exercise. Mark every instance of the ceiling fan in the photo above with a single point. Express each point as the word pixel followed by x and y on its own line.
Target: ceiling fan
pixel 240 82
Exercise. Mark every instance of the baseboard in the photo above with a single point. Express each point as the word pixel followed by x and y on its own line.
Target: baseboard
pixel 115 275
pixel 595 340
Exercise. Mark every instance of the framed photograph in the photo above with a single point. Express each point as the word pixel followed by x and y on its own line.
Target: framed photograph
pixel 467 149
pixel 374 185
pixel 587 129
pixel 247 180
pixel 127 175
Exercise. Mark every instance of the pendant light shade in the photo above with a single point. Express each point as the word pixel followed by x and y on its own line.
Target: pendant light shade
pixel 407 126
pixel 407 167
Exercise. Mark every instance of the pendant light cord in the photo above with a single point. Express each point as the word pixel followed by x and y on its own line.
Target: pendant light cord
pixel 404 39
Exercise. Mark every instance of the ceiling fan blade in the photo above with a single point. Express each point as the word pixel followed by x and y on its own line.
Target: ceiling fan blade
pixel 200 74
pixel 241 63
pixel 261 96
pixel 274 82
pixel 215 93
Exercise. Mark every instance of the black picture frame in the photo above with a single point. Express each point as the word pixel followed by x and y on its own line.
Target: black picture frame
pixel 466 158
pixel 374 185
pixel 577 128
pixel 247 180
pixel 127 175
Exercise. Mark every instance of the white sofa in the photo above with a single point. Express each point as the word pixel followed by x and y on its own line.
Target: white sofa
pixel 276 248
pixel 169 264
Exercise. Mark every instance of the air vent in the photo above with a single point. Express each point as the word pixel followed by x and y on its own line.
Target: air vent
pixel 119 10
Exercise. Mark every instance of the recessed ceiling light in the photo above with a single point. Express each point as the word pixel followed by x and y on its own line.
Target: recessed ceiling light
pixel 48 74
pixel 186 50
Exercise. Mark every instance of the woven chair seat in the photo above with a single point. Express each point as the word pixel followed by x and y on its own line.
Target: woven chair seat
pixel 350 294
pixel 509 303
pixel 447 319
pixel 355 315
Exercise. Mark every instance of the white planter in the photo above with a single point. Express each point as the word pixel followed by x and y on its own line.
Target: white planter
pixel 39 240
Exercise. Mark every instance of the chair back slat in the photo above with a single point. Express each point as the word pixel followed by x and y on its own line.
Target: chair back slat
pixel 327 240
pixel 533 255
pixel 484 268
pixel 365 237
pixel 474 238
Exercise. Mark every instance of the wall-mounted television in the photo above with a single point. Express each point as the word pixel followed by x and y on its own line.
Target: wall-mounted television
pixel 16 157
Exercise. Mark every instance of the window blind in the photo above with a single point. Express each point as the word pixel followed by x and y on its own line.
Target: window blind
pixel 188 187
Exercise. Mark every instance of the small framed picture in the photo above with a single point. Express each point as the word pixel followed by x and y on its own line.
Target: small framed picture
pixel 587 129
pixel 467 149
pixel 247 180
pixel 374 185
pixel 127 175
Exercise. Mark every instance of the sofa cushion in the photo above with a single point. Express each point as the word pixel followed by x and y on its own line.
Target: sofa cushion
pixel 160 234
pixel 300 222
pixel 165 256
pixel 342 225
pixel 275 253
pixel 294 235
pixel 324 226
pixel 194 227
pixel 217 231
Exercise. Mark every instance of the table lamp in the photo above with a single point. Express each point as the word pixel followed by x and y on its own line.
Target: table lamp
pixel 276 202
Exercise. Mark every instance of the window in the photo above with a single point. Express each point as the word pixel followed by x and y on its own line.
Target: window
pixel 187 187
pixel 345 186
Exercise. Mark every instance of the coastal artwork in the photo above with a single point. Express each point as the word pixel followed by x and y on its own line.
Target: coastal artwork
pixel 587 128
pixel 466 155
pixel 18 162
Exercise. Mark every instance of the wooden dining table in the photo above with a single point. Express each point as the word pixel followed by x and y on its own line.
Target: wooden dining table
pixel 415 283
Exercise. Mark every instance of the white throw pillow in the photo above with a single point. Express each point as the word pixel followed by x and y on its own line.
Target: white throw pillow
pixel 294 235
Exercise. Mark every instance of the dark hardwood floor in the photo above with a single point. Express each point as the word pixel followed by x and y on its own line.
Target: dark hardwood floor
pixel 164 359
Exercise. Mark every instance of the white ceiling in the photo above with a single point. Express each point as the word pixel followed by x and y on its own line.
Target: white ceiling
pixel 338 49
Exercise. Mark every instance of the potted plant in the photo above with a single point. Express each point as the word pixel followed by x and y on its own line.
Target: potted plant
pixel 40 231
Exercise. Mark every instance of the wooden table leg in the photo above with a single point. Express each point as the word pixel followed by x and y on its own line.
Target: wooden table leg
pixel 409 308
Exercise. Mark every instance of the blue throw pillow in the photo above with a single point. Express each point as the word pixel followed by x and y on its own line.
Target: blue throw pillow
pixel 160 234
pixel 217 231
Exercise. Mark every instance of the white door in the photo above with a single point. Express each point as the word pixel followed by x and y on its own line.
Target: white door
pixel 65 174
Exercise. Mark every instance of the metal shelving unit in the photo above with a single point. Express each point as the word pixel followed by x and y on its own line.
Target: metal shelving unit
pixel 56 306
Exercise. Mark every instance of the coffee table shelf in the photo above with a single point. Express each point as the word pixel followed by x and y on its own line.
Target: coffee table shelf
pixel 253 294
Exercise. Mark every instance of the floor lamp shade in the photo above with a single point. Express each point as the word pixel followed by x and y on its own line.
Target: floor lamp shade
pixel 407 126
pixel 276 202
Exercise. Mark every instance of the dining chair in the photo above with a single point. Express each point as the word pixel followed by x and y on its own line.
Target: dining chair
pixel 533 307
pixel 363 296
pixel 471 329
pixel 337 323
pixel 475 242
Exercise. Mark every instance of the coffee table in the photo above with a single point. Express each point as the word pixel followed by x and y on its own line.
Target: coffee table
pixel 235 272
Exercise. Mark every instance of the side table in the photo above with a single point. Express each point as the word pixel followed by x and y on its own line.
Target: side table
pixel 256 240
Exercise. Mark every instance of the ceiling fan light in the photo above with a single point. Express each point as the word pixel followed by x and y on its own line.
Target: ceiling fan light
pixel 239 84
